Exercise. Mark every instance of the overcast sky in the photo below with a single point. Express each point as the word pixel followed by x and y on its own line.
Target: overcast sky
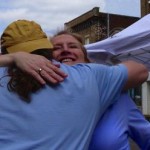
pixel 52 14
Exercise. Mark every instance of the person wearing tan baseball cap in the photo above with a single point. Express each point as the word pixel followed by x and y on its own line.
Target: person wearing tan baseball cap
pixel 26 36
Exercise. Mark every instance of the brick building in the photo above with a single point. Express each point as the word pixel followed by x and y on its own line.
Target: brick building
pixel 95 26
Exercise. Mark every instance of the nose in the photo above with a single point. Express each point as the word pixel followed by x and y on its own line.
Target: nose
pixel 65 50
pixel 65 47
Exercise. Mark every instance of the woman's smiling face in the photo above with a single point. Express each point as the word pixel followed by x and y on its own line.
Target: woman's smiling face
pixel 67 49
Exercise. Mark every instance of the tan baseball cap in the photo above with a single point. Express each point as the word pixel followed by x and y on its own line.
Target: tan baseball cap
pixel 24 35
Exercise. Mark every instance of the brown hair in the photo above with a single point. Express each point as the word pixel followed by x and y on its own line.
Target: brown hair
pixel 79 38
pixel 22 83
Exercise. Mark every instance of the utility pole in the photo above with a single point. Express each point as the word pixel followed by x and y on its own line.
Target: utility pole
pixel 108 25
pixel 144 7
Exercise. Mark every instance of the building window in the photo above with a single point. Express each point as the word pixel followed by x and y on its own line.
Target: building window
pixel 87 39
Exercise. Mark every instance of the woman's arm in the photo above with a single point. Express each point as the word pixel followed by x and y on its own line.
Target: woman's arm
pixel 6 60
pixel 37 66
pixel 137 70
pixel 139 127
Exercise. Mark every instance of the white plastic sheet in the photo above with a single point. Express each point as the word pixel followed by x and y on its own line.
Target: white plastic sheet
pixel 131 43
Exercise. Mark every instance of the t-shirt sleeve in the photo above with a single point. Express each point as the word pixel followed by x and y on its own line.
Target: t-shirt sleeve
pixel 110 81
pixel 138 126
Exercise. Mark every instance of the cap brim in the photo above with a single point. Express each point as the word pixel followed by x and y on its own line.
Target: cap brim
pixel 30 46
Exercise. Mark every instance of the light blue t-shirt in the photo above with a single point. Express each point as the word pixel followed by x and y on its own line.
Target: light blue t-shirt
pixel 60 117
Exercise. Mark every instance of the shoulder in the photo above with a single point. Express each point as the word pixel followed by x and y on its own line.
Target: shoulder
pixel 116 71
pixel 98 70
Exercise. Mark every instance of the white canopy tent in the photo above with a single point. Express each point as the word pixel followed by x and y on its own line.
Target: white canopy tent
pixel 131 43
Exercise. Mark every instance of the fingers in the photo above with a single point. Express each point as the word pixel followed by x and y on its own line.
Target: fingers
pixel 54 69
pixel 48 72
pixel 37 76
pixel 52 74
pixel 50 78
pixel 31 63
pixel 57 65
pixel 42 76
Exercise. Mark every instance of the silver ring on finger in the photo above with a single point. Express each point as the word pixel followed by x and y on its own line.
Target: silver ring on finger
pixel 39 70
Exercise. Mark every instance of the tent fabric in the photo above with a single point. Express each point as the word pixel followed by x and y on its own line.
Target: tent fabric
pixel 131 43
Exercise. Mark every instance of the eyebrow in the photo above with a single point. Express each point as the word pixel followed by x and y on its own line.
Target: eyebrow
pixel 59 44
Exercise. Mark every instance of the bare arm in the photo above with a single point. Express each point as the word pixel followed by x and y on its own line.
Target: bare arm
pixel 6 60
pixel 31 63
pixel 137 74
